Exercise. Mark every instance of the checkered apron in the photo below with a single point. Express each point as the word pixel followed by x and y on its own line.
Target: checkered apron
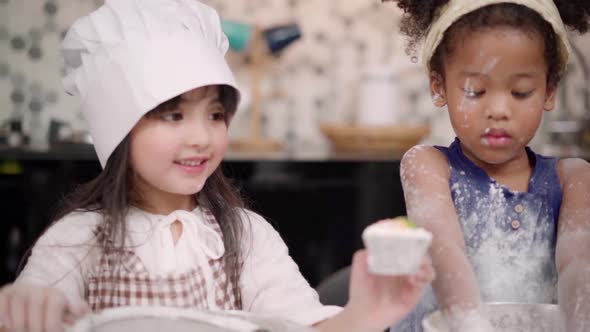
pixel 130 284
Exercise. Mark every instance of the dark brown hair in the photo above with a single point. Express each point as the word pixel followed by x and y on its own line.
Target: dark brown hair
pixel 111 194
pixel 419 15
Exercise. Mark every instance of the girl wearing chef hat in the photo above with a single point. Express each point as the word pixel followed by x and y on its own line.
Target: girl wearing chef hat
pixel 161 225
pixel 509 225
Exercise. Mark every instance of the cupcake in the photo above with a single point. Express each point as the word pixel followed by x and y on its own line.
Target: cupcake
pixel 395 246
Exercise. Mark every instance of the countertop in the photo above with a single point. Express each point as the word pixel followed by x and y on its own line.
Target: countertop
pixel 85 152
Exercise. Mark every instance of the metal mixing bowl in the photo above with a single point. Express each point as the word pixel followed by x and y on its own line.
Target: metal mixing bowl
pixel 509 317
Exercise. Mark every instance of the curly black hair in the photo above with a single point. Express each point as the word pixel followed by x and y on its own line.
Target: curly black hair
pixel 420 14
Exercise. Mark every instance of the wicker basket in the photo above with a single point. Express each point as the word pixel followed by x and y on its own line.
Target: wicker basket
pixel 398 138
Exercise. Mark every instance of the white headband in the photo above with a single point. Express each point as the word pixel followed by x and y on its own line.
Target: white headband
pixel 129 56
pixel 455 9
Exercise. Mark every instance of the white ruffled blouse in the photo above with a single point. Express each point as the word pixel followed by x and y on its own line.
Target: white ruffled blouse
pixel 270 282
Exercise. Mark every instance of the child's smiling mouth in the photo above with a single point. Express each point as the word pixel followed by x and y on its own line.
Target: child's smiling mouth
pixel 192 165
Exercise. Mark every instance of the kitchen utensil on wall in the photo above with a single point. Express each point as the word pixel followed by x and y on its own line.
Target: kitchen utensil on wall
pixel 262 46
pixel 238 34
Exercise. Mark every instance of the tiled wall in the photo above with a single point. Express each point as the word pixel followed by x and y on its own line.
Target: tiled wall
pixel 30 60
pixel 318 79
pixel 315 80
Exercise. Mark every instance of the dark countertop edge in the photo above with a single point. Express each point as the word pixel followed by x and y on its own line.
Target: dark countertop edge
pixel 88 154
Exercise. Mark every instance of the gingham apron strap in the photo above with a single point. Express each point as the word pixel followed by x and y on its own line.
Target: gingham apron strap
pixel 225 286
pixel 212 221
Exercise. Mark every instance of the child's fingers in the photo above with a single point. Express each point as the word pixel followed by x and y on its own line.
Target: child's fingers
pixel 359 274
pixel 33 314
pixel 359 259
pixel 427 272
pixel 33 309
pixel 16 310
pixel 54 312
pixel 75 312
pixel 422 278
pixel 425 275
pixel 79 309
pixel 359 264
pixel 4 307
pixel 69 319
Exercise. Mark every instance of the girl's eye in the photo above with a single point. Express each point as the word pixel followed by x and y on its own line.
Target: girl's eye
pixel 472 93
pixel 217 112
pixel 522 95
pixel 172 116
pixel 217 116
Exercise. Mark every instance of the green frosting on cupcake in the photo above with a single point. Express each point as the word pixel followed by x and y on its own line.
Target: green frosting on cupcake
pixel 407 222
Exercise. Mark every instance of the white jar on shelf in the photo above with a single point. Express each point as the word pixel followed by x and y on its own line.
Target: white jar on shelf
pixel 382 100
pixel 37 129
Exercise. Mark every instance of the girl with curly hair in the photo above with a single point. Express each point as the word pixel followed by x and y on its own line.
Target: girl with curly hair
pixel 509 224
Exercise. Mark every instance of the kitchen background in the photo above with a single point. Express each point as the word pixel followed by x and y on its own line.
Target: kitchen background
pixel 319 79
pixel 347 48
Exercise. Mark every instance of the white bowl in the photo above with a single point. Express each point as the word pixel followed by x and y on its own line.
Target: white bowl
pixel 509 317
pixel 395 253
pixel 157 318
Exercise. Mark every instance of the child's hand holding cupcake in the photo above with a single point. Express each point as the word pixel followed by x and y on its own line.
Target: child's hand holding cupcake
pixel 389 277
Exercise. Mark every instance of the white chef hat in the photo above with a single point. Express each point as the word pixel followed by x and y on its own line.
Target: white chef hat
pixel 129 56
